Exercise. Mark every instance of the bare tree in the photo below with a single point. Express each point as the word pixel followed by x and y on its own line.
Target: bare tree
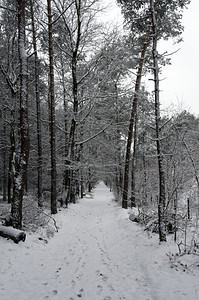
pixel 52 111
pixel 38 109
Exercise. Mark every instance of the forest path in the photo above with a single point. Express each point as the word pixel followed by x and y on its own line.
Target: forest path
pixel 98 254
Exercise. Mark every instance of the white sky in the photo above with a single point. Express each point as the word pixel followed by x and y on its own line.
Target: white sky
pixel 180 86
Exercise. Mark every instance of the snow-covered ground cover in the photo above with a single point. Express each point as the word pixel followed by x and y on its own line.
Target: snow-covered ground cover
pixel 98 254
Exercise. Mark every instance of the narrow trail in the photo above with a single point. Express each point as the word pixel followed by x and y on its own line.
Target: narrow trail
pixel 98 254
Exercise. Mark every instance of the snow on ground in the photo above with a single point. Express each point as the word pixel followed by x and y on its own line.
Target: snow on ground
pixel 98 254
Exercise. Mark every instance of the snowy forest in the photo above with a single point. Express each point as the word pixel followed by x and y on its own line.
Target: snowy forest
pixel 75 111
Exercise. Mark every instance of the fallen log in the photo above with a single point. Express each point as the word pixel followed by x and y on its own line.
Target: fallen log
pixel 12 233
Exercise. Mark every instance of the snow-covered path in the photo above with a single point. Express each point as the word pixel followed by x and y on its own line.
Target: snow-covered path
pixel 98 254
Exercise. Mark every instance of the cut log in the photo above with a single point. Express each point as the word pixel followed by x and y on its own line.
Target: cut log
pixel 13 234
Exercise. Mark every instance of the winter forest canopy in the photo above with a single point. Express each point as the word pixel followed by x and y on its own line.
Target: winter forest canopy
pixel 74 110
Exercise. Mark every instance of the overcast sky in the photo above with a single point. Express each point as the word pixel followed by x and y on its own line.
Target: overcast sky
pixel 181 84
pixel 182 80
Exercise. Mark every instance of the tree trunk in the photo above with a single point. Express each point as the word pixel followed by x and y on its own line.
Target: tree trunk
pixel 118 161
pixel 10 171
pixel 20 164
pixel 37 96
pixel 66 178
pixel 10 178
pixel 4 163
pixel 161 203
pixel 80 158
pixel 133 172
pixel 132 123
pixel 89 180
pixel 52 113
pixel 75 102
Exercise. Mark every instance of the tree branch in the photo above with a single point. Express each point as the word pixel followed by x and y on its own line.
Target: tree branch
pixel 94 136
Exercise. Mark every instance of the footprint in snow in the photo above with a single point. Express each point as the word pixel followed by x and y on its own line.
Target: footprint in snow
pixel 71 252
pixel 80 293
pixel 104 277
pixel 97 272
pixel 99 287
pixel 79 276
pixel 111 288
pixel 58 270
pixel 73 283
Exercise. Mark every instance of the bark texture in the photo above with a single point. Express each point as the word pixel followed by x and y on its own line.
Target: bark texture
pixel 20 162
pixel 132 124
pixel 161 203
pixel 52 113
pixel 71 153
pixel 38 109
